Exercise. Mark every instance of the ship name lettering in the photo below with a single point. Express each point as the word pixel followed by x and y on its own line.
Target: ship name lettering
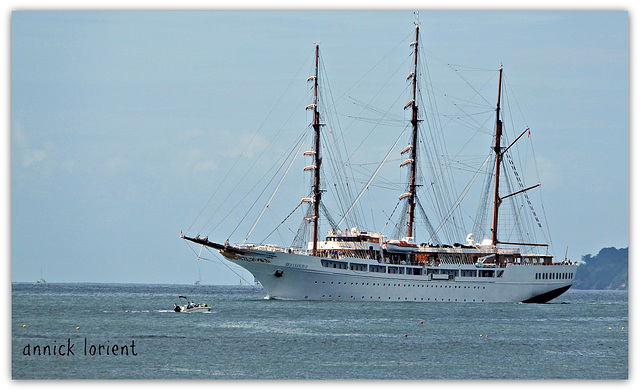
pixel 296 265
pixel 252 259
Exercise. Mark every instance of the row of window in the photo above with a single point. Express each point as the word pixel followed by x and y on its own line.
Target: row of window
pixel 554 275
pixel 441 286
pixel 397 270
pixel 408 298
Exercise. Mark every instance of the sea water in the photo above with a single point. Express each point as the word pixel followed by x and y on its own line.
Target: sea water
pixel 583 334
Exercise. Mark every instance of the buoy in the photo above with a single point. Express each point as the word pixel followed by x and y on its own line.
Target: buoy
pixel 77 327
pixel 405 335
pixel 622 327
pixel 24 325
pixel 421 322
pixel 609 327
pixel 480 335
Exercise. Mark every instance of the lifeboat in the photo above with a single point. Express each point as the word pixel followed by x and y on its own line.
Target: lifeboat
pixel 403 245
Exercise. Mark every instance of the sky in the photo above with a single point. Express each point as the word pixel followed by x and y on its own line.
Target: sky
pixel 123 124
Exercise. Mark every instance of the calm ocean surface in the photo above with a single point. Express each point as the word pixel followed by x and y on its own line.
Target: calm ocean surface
pixel 580 335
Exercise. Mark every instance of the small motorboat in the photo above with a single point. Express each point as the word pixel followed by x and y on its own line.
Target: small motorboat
pixel 191 307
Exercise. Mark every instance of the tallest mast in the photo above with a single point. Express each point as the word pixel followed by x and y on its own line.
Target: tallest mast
pixel 316 137
pixel 414 137
pixel 498 150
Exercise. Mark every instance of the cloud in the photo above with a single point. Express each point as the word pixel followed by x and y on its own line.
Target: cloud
pixel 198 160
pixel 233 145
pixel 27 154
pixel 115 166
pixel 190 133
pixel 213 147
pixel 33 157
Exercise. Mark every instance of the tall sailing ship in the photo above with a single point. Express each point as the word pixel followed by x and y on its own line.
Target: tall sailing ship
pixel 358 265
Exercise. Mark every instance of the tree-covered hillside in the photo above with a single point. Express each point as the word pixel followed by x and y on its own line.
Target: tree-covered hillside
pixel 608 270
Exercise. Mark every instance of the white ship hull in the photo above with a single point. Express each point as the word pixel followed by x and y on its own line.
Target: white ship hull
pixel 302 277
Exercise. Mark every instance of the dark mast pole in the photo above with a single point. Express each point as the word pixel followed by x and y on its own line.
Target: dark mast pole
pixel 498 151
pixel 317 160
pixel 414 139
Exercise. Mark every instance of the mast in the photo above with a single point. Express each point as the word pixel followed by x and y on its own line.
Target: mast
pixel 317 161
pixel 497 150
pixel 414 138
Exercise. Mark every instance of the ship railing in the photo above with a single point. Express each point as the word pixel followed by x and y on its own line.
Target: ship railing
pixel 272 248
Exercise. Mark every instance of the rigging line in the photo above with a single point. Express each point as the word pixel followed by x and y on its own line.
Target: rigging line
pixel 471 86
pixel 440 177
pixel 273 221
pixel 544 212
pixel 367 106
pixel 373 128
pixel 393 105
pixel 463 195
pixel 432 234
pixel 248 144
pixel 342 189
pixel 206 259
pixel 373 176
pixel 248 171
pixel 382 181
pixel 325 211
pixel 274 193
pixel 516 101
pixel 229 268
pixel 280 224
pixel 466 68
pixel 453 101
pixel 254 187
pixel 257 198
pixel 402 41
pixel 334 150
pixel 390 216
pixel 342 168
